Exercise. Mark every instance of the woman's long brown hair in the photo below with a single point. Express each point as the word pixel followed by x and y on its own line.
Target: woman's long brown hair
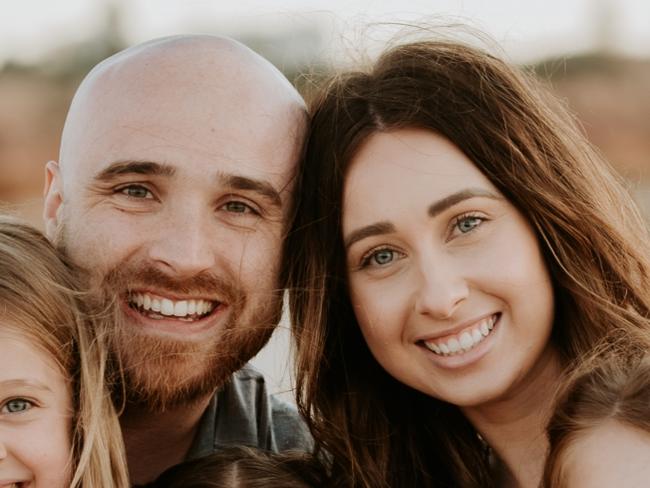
pixel 377 431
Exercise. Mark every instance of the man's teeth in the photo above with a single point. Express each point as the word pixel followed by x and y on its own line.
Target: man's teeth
pixel 171 308
pixel 464 341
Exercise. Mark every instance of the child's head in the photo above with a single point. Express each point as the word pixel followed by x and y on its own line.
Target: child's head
pixel 600 432
pixel 243 467
pixel 58 427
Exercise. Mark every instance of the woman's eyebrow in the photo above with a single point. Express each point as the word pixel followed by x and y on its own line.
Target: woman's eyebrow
pixel 368 231
pixel 434 209
pixel 449 201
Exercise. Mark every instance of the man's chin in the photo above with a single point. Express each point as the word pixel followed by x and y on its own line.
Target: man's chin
pixel 162 372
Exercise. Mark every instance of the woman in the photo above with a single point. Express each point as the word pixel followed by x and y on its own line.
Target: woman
pixel 457 243
pixel 58 428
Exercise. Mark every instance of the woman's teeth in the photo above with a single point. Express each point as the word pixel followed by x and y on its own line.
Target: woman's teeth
pixel 464 341
pixel 171 308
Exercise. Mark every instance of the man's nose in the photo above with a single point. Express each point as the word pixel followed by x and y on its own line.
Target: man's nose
pixel 185 244
pixel 441 288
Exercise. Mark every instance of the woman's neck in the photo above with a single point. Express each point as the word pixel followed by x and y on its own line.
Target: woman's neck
pixel 515 426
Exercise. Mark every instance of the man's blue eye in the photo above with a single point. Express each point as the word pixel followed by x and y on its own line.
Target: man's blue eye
pixel 16 406
pixel 135 191
pixel 237 207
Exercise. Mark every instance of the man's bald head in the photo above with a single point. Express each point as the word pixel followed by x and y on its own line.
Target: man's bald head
pixel 198 85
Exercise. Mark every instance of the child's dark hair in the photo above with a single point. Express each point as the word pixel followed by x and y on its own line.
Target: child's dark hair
pixel 245 467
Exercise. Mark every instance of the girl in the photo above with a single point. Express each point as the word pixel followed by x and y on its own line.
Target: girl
pixel 58 427
pixel 457 243
pixel 600 431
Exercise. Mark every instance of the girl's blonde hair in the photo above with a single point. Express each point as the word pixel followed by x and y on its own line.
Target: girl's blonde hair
pixel 40 298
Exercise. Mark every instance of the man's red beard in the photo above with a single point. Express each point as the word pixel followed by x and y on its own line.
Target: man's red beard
pixel 158 372
pixel 162 372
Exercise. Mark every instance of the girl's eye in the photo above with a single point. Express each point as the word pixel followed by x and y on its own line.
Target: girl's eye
pixel 468 223
pixel 136 191
pixel 16 405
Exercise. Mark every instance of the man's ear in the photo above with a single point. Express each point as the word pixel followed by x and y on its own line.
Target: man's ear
pixel 53 193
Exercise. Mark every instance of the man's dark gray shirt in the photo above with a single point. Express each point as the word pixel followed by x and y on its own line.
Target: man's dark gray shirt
pixel 242 413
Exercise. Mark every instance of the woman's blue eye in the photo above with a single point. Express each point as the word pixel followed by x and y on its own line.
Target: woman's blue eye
pixel 382 257
pixel 468 223
pixel 16 406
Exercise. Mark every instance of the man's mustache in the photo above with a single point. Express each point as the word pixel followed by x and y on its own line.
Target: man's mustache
pixel 128 277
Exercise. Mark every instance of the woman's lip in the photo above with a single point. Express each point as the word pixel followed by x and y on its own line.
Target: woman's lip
pixel 466 358
pixel 457 329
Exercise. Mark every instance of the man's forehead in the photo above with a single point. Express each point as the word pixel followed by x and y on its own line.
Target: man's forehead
pixel 240 177
pixel 186 99
pixel 210 59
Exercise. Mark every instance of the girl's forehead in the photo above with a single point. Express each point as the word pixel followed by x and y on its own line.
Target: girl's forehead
pixel 23 351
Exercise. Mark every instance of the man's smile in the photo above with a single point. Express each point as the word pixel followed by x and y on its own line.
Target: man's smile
pixel 167 314
pixel 156 306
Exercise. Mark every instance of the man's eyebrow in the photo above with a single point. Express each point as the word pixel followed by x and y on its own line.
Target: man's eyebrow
pixel 25 383
pixel 378 228
pixel 449 201
pixel 264 188
pixel 135 167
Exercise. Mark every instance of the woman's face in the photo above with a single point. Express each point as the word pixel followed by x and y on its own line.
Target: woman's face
pixel 446 276
pixel 35 416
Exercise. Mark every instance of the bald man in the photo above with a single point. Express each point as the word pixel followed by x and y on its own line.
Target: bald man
pixel 174 190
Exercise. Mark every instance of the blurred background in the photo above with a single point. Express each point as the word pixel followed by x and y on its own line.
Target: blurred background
pixel 594 54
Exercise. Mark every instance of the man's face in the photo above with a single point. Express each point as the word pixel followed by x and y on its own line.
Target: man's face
pixel 176 203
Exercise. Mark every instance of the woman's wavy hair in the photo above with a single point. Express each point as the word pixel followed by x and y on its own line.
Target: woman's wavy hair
pixel 377 431
pixel 612 383
pixel 41 298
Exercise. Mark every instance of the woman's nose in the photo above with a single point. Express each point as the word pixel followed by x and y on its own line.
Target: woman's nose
pixel 441 289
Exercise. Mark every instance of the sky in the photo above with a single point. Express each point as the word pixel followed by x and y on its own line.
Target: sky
pixel 526 29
